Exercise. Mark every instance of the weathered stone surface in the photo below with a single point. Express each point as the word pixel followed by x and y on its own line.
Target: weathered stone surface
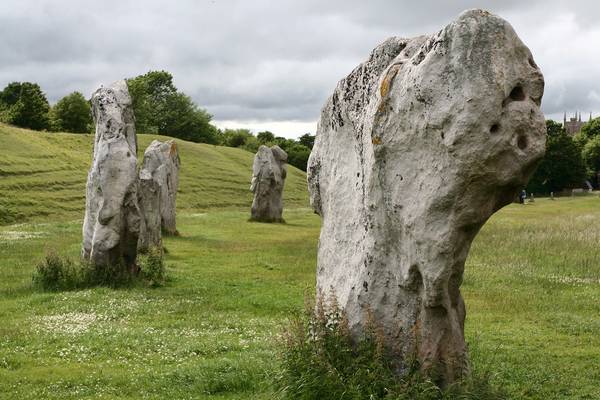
pixel 112 218
pixel 149 195
pixel 268 177
pixel 161 162
pixel 415 150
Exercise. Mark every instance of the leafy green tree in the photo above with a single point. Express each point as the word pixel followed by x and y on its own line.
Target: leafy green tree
pixel 160 108
pixel 24 104
pixel 587 142
pixel 183 119
pixel 298 156
pixel 236 137
pixel 307 140
pixel 71 114
pixel 150 94
pixel 11 93
pixel 591 156
pixel 580 140
pixel 297 152
pixel 252 144
pixel 265 137
pixel 554 128
pixel 591 129
pixel 284 143
pixel 561 167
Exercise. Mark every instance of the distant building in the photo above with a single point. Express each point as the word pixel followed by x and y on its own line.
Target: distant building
pixel 573 125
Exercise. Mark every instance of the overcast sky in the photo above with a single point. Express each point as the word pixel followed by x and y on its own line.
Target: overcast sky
pixel 272 64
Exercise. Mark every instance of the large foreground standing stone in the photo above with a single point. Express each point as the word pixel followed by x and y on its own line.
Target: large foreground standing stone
pixel 268 177
pixel 161 162
pixel 112 218
pixel 415 150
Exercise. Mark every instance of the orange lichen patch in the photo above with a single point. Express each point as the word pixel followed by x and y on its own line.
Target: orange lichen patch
pixel 386 84
pixel 173 149
pixel 376 140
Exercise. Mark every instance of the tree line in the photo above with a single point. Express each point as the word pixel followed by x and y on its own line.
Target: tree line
pixel 159 107
pixel 24 104
pixel 569 161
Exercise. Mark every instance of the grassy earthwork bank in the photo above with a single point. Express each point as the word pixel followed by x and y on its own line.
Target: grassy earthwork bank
pixel 532 288
pixel 43 175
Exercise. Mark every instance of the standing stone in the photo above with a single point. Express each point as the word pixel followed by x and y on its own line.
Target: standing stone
pixel 415 150
pixel 149 200
pixel 268 177
pixel 112 218
pixel 161 163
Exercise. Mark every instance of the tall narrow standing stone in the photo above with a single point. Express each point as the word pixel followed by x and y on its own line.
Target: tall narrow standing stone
pixel 268 177
pixel 149 195
pixel 414 151
pixel 161 162
pixel 112 217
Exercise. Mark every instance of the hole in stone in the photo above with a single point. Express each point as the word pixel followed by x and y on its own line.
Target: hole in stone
pixel 517 94
pixel 522 142
pixel 442 135
pixel 494 128
pixel 415 279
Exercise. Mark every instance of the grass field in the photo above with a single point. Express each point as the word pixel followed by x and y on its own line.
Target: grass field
pixel 532 289
pixel 43 175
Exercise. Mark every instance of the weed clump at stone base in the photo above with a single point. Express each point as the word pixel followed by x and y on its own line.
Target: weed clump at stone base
pixel 56 273
pixel 321 360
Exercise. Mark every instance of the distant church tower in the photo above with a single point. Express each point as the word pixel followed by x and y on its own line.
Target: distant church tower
pixel 574 124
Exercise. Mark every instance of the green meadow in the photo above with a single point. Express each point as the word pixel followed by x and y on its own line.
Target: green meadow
pixel 532 287
pixel 43 175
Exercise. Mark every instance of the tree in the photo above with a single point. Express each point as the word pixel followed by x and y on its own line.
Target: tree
pixel 71 114
pixel 150 93
pixel 588 142
pixel 297 152
pixel 183 119
pixel 591 156
pixel 25 105
pixel 11 93
pixel 284 143
pixel 591 129
pixel 307 140
pixel 160 108
pixel 252 144
pixel 561 167
pixel 265 137
pixel 554 128
pixel 298 156
pixel 236 137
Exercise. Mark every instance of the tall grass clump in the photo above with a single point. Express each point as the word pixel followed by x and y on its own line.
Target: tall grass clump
pixel 152 266
pixel 55 272
pixel 320 359
pixel 109 275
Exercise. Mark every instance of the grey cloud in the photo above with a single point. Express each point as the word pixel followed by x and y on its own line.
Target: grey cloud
pixel 266 60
